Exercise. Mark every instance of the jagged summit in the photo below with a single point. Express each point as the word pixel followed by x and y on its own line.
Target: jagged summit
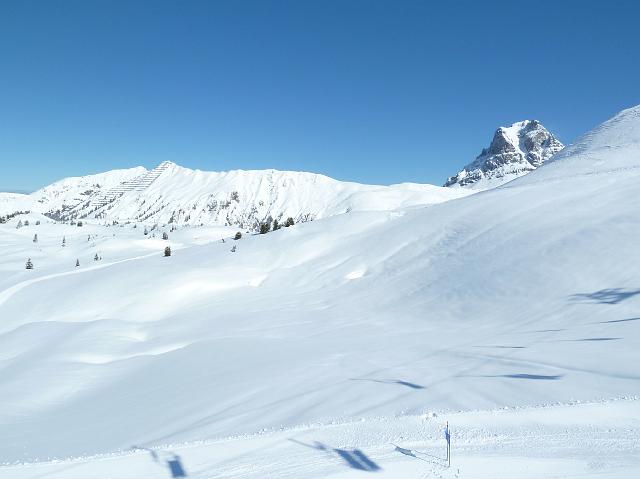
pixel 514 151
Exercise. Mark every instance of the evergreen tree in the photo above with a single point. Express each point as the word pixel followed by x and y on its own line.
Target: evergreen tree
pixel 64 241
pixel 29 264
pixel 35 238
pixel 145 231
pixel 96 257
pixel 19 225
pixel 79 223
pixel 237 236
pixel 77 263
pixel 167 251
pixel 233 250
pixel 289 222
pixel 26 222
pixel 265 228
pixel 165 236
pixel 37 222
pixel 276 225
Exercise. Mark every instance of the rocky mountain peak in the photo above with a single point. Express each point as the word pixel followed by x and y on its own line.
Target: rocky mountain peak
pixel 514 151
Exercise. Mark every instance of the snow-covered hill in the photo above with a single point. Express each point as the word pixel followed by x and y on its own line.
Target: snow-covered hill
pixel 173 194
pixel 514 151
pixel 318 350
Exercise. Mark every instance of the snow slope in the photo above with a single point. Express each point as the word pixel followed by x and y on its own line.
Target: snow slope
pixel 522 295
pixel 12 202
pixel 173 194
pixel 514 151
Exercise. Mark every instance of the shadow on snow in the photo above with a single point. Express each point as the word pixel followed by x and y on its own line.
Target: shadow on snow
pixel 354 458
pixel 606 296
pixel 391 381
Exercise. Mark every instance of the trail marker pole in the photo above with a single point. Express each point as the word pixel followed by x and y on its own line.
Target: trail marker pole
pixel 447 436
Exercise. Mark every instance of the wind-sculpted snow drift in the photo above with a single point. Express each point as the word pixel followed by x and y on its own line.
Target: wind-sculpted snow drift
pixel 524 294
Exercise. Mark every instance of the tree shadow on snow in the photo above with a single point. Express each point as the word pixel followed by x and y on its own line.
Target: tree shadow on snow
pixel 168 459
pixel 391 381
pixel 619 320
pixel 544 377
pixel 538 377
pixel 606 296
pixel 354 458
pixel 594 339
pixel 499 346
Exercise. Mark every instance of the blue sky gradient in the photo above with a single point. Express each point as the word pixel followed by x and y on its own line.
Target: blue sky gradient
pixel 369 91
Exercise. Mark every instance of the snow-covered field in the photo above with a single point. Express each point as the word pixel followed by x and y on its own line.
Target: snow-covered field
pixel 339 347
pixel 598 440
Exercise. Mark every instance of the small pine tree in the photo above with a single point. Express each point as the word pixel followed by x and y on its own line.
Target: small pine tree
pixel 165 236
pixel 237 236
pixel 77 263
pixel 89 238
pixel 37 222
pixel 233 250
pixel 64 241
pixel 35 238
pixel 264 228
pixel 79 223
pixel 289 222
pixel 146 232
pixel 96 257
pixel 29 264
pixel 276 225
pixel 167 251
pixel 26 222
pixel 19 225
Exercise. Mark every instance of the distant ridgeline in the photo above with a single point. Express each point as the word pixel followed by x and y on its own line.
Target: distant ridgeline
pixel 250 199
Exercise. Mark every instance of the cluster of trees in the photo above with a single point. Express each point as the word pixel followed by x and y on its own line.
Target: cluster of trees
pixel 7 217
pixel 26 223
pixel 274 225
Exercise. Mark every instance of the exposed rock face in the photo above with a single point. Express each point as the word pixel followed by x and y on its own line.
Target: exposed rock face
pixel 514 151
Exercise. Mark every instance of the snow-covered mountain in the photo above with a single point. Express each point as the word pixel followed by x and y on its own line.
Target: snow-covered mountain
pixel 514 151
pixel 340 346
pixel 172 194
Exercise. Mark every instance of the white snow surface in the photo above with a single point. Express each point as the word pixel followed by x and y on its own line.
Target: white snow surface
pixel 512 313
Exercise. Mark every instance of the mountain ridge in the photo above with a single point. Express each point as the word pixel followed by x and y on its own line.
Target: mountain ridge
pixel 170 193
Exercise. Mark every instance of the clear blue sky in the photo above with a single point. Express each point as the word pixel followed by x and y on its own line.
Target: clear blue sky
pixel 369 91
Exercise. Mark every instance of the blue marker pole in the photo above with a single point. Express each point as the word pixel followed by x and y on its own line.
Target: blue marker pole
pixel 447 436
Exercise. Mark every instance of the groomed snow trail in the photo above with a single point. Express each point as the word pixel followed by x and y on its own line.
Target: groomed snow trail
pixel 589 440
